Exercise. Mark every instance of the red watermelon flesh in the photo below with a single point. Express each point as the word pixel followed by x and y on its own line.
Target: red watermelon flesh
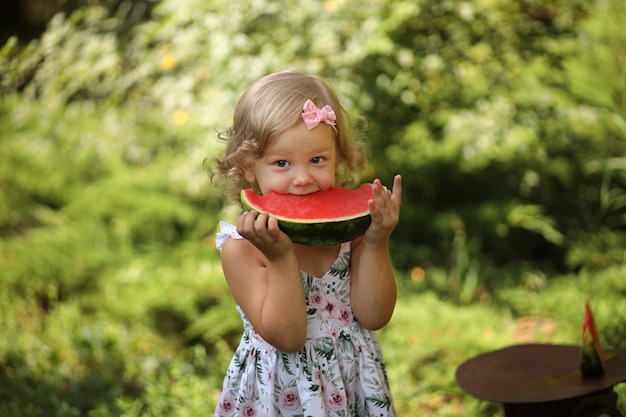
pixel 322 218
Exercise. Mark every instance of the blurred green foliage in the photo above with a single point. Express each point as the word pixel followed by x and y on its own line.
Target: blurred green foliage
pixel 483 107
pixel 506 120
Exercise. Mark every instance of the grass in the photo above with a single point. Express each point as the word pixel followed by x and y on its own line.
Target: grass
pixel 428 338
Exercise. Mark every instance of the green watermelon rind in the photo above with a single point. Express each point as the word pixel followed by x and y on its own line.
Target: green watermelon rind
pixel 325 233
pixel 320 232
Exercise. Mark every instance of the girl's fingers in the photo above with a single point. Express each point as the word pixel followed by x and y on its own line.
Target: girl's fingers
pixel 388 200
pixel 396 191
pixel 258 227
pixel 393 197
pixel 260 223
pixel 385 206
pixel 272 226
pixel 246 221
pixel 373 208
pixel 250 224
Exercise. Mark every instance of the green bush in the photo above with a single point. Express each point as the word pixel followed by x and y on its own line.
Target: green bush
pixel 487 110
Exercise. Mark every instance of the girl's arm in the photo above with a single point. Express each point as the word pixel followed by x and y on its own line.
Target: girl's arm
pixel 373 288
pixel 264 277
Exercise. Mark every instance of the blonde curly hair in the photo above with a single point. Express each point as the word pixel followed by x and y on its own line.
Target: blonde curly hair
pixel 266 109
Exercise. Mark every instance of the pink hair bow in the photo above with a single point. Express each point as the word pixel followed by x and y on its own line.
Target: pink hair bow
pixel 313 116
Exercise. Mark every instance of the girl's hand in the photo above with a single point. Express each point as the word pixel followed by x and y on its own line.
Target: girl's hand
pixel 385 212
pixel 262 231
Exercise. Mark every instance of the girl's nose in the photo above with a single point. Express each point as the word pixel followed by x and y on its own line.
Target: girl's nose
pixel 302 177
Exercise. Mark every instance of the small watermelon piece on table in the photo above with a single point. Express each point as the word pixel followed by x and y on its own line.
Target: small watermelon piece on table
pixel 323 218
pixel 591 353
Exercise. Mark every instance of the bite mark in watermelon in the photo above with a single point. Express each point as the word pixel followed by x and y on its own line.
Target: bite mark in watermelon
pixel 591 354
pixel 323 218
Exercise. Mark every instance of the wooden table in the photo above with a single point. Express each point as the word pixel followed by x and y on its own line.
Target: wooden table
pixel 543 380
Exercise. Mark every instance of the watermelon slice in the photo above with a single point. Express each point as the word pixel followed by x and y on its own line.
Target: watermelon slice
pixel 591 354
pixel 323 218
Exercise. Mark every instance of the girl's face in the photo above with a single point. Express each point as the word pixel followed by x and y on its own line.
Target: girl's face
pixel 299 161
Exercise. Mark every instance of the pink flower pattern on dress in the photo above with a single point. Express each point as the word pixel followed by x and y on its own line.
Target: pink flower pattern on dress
pixel 340 372
pixel 226 406
pixel 290 400
pixel 330 309
pixel 316 300
pixel 249 409
pixel 345 316
pixel 336 400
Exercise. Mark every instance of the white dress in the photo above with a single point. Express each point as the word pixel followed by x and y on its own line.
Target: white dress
pixel 340 371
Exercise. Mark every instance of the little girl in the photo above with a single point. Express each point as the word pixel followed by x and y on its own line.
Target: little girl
pixel 309 313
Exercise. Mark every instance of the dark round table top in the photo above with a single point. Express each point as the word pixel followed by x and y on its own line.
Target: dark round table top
pixel 533 373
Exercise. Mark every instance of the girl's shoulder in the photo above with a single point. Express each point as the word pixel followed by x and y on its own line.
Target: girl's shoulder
pixel 237 252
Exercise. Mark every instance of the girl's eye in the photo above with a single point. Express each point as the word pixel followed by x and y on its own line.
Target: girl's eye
pixel 281 164
pixel 317 160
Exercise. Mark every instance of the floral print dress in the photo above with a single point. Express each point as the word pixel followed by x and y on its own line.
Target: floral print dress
pixel 339 372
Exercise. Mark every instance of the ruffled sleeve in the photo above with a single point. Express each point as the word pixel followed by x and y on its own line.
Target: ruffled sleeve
pixel 226 230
